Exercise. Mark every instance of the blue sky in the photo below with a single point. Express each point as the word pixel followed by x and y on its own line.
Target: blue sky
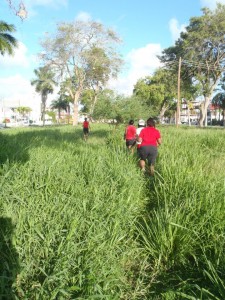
pixel 145 26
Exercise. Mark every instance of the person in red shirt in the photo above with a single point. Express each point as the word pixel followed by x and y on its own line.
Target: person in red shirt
pixel 150 139
pixel 130 136
pixel 86 128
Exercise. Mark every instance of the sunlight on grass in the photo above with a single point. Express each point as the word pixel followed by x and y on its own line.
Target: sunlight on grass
pixel 87 225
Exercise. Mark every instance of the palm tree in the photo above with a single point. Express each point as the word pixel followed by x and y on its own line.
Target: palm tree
pixel 7 41
pixel 60 104
pixel 44 83
pixel 23 110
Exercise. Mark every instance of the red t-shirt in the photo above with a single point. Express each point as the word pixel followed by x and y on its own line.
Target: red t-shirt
pixel 130 132
pixel 149 136
pixel 85 124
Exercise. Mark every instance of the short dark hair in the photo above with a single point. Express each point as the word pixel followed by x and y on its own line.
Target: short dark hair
pixel 131 122
pixel 151 122
pixel 85 119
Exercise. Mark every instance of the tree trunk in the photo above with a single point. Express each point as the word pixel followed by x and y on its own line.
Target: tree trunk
pixel 93 105
pixel 59 115
pixel 223 117
pixel 206 119
pixel 76 108
pixel 43 108
pixel 189 119
pixel 203 111
pixel 164 108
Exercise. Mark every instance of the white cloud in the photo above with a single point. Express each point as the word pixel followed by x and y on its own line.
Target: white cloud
pixel 17 91
pixel 19 59
pixel 142 62
pixel 211 3
pixel 83 16
pixel 176 29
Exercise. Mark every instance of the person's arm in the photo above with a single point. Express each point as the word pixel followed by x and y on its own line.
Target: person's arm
pixel 159 141
pixel 139 138
pixel 136 137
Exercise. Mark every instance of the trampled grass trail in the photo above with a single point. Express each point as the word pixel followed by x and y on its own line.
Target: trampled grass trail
pixel 79 221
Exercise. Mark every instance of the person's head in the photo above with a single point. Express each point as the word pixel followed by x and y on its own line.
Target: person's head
pixel 150 122
pixel 141 123
pixel 131 122
pixel 85 119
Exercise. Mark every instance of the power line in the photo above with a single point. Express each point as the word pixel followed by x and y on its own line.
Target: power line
pixel 196 65
pixel 202 66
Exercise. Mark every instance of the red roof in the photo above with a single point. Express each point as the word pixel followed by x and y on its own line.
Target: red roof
pixel 213 106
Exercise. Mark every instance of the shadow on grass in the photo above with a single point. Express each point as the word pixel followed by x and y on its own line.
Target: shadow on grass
pixel 14 147
pixel 9 266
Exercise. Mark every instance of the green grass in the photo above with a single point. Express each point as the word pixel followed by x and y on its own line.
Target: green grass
pixel 79 221
pixel 183 230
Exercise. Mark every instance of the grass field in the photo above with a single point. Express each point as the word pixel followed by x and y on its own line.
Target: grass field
pixel 79 221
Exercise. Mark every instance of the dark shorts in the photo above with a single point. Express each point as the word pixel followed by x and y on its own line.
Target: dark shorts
pixel 148 153
pixel 138 152
pixel 85 130
pixel 130 142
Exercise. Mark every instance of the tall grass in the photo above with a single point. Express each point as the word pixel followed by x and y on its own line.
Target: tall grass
pixel 74 206
pixel 81 222
pixel 183 230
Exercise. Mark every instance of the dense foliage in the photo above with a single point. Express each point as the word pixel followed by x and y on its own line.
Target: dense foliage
pixel 7 42
pixel 201 49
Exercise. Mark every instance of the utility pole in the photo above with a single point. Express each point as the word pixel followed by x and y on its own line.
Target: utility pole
pixel 178 94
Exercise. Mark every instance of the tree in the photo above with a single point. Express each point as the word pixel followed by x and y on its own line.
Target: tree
pixel 64 95
pixel 60 104
pixel 23 110
pixel 7 41
pixel 122 108
pixel 158 90
pixel 100 67
pixel 73 52
pixel 219 101
pixel 44 83
pixel 104 108
pixel 20 11
pixel 201 48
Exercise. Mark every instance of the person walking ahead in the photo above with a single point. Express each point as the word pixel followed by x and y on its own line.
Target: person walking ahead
pixel 130 136
pixel 86 128
pixel 141 125
pixel 150 139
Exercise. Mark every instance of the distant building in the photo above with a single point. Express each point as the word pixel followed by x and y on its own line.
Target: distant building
pixel 12 118
pixel 190 110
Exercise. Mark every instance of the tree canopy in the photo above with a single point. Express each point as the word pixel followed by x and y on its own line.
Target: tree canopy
pixel 158 91
pixel 44 84
pixel 83 53
pixel 7 42
pixel 201 48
